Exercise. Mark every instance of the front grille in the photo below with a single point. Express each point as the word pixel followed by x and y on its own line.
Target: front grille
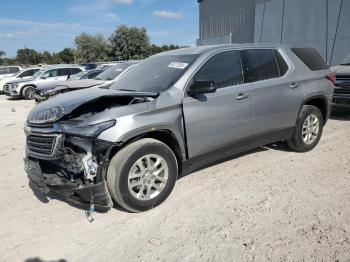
pixel 41 145
pixel 341 91
pixel 41 125
pixel 343 77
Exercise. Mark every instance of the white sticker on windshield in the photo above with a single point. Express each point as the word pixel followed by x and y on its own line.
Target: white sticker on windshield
pixel 178 65
pixel 118 69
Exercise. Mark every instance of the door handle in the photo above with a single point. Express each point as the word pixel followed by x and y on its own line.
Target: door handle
pixel 242 96
pixel 294 85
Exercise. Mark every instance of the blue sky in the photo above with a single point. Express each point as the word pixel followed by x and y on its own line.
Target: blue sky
pixel 52 24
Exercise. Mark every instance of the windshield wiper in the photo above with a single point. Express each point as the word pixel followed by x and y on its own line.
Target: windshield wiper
pixel 97 78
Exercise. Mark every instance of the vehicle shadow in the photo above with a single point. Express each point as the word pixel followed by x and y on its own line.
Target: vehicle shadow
pixel 220 161
pixel 37 259
pixel 341 115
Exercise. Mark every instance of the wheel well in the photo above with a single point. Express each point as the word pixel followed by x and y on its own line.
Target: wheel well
pixel 321 104
pixel 165 136
pixel 25 87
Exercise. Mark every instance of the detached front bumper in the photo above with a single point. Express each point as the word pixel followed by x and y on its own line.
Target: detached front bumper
pixel 80 195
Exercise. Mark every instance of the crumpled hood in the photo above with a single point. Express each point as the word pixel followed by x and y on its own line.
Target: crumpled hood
pixel 341 69
pixel 73 85
pixel 64 104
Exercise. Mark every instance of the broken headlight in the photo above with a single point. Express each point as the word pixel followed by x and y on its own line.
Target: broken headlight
pixel 48 116
pixel 87 130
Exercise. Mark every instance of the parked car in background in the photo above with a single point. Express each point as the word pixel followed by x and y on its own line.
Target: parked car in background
pixel 174 112
pixel 105 78
pixel 24 74
pixel 342 85
pixel 89 66
pixel 6 71
pixel 47 76
pixel 85 75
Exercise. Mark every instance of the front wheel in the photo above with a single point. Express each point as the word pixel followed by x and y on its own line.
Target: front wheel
pixel 308 130
pixel 28 92
pixel 142 175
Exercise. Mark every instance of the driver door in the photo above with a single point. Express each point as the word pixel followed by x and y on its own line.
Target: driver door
pixel 216 120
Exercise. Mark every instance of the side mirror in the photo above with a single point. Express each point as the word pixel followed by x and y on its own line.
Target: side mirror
pixel 200 87
pixel 43 77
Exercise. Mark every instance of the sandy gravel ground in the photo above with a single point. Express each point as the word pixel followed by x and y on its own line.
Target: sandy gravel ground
pixel 267 205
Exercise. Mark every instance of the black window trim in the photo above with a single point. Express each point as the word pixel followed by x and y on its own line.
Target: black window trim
pixel 278 49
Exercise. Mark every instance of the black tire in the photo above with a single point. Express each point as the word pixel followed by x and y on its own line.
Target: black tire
pixel 297 143
pixel 122 163
pixel 28 92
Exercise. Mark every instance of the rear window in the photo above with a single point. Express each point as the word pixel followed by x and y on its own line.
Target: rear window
pixel 311 58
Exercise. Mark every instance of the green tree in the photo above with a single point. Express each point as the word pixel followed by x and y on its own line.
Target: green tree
pixel 27 56
pixel 67 56
pixel 91 48
pixel 129 43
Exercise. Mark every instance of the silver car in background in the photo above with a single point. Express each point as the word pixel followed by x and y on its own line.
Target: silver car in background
pixel 24 74
pixel 45 77
pixel 172 113
pixel 104 79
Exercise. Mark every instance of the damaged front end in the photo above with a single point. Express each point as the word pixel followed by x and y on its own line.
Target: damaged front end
pixel 74 167
pixel 63 152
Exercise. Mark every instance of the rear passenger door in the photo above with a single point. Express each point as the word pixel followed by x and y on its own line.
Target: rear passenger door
pixel 216 120
pixel 275 99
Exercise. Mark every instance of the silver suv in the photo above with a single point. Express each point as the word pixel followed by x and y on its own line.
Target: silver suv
pixel 45 77
pixel 174 112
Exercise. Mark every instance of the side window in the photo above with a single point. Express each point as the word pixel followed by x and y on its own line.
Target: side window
pixel 3 71
pixel 75 71
pixel 259 64
pixel 224 69
pixel 28 73
pixel 13 70
pixel 282 65
pixel 311 58
pixel 50 73
pixel 63 72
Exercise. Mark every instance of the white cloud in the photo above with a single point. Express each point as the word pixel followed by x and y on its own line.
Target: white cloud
pixel 168 14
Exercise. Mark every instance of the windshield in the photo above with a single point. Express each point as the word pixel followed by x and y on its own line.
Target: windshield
pixel 155 74
pixel 112 72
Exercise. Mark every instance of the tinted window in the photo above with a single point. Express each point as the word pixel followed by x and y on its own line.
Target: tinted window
pixel 224 69
pixel 3 71
pixel 29 72
pixel 13 70
pixel 311 58
pixel 155 74
pixel 259 64
pixel 74 71
pixel 282 65
pixel 63 72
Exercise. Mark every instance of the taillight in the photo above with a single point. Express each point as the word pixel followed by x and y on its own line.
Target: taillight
pixel 331 78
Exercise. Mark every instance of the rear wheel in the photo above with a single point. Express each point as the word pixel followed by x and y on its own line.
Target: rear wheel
pixel 142 175
pixel 308 130
pixel 28 92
